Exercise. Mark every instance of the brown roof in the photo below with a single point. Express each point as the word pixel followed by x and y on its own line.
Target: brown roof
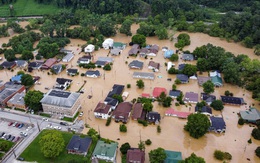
pixel 134 155
pixel 203 79
pixel 154 64
pixel 49 62
pixel 102 108
pixel 122 111
pixel 134 49
pixel 137 111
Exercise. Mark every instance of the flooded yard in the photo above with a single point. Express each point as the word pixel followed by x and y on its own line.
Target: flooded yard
pixel 172 137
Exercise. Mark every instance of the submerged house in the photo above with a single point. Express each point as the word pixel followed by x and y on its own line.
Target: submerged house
pixel 134 50
pixel 168 53
pixel 154 66
pixel 49 63
pixel 191 97
pixel 102 110
pixel 122 112
pixel 105 151
pixel 78 145
pixel 218 124
pixel 135 64
pixel 232 100
pixel 252 115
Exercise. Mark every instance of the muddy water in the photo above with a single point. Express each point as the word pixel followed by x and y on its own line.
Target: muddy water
pixel 172 136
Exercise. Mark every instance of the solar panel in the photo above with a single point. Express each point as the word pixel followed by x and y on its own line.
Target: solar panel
pixel 59 94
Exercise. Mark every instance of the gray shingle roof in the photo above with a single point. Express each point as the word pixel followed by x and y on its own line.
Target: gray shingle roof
pixel 60 98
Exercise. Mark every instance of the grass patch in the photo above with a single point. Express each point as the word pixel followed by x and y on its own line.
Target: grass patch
pixel 9 144
pixel 28 8
pixel 18 109
pixel 68 119
pixel 45 115
pixel 33 152
pixel 1 155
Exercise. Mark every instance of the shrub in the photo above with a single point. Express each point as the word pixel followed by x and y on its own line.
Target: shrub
pixel 143 122
pixel 108 121
pixel 128 85
pixel 256 133
pixel 177 104
pixel 241 121
pixel 257 151
pixel 148 142
pixel 82 74
pixel 159 129
pixel 123 128
pixel 219 155
pixel 250 141
pixel 227 156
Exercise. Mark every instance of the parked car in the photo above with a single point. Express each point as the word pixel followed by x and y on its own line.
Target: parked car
pixel 20 159
pixel 3 136
pixel 7 137
pixel 57 127
pixel 81 114
pixel 45 119
pixel 23 134
pixel 14 124
pixel 2 133
pixel 17 125
pixel 28 128
pixel 11 138
pixel 11 123
pixel 17 139
pixel 64 123
pixel 21 125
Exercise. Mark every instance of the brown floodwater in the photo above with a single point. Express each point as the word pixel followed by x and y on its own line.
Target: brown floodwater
pixel 172 137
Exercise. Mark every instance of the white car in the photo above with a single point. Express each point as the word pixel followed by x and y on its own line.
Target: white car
pixel 28 128
pixel 45 119
pixel 57 127
pixel 81 114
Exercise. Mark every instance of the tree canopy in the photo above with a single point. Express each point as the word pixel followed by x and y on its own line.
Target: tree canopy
pixel 208 87
pixel 139 39
pixel 157 155
pixel 27 80
pixel 217 105
pixel 140 84
pixel 32 99
pixel 193 158
pixel 51 143
pixel 124 148
pixel 197 125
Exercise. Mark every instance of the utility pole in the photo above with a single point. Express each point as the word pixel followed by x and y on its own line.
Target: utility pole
pixel 14 153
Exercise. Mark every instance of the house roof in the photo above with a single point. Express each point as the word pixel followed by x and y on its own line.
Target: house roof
pixel 63 50
pixel 203 79
pixel 214 73
pixel 176 113
pixel 147 95
pixel 154 64
pixel 111 101
pixel 168 53
pixel 174 93
pixel 9 89
pixel 217 123
pixel 153 116
pixel 7 64
pixel 191 96
pixel 49 62
pixel 68 57
pixel 57 68
pixel 134 50
pixel 154 48
pixel 100 63
pixel 17 78
pixel 122 110
pixel 183 78
pixel 232 100
pixel 21 63
pixel 204 109
pixel 144 51
pixel 105 149
pixel 158 90
pixel 102 108
pixel 62 81
pixel 172 156
pixel 79 144
pixel 251 115
pixel 60 98
pixel 106 59
pixel 217 81
pixel 135 155
pixel 115 51
pixel 181 66
pixel 92 72
pixel 136 64
pixel 207 97
pixel 116 89
pixel 36 64
pixel 144 75
pixel 17 99
pixel 119 45
pixel 189 57
pixel 71 70
pixel 137 110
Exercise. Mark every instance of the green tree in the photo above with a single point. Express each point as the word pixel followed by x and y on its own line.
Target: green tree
pixel 174 57
pixel 92 132
pixel 9 55
pixel 27 80
pixel 139 39
pixel 161 32
pixel 257 50
pixel 27 55
pixel 140 84
pixel 248 42
pixel 197 125
pixel 231 72
pixel 4 146
pixel 122 128
pixel 217 105
pixel 256 133
pixel 177 81
pixel 106 27
pixel 118 97
pixel 146 29
pixel 51 143
pixel 183 40
pixel 193 158
pixel 257 151
pixel 148 142
pixel 219 155
pixel 180 98
pixel 32 100
pixel 124 148
pixel 208 87
pixel 148 106
pixel 126 27
pixel 47 28
pixel 167 102
pixel 202 64
pixel 107 67
pixel 157 155
pixel 174 87
pixel 141 145
pixel 48 50
pixel 189 69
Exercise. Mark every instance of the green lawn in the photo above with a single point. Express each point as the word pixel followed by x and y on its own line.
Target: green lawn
pixel 9 146
pixel 71 119
pixel 28 8
pixel 33 153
